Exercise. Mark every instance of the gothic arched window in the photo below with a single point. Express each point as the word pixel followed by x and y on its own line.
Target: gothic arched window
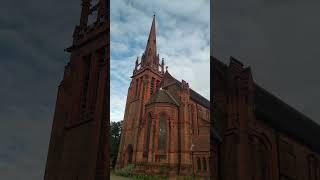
pixel 162 138
pixel 198 164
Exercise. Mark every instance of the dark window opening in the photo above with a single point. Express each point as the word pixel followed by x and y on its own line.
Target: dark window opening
pixel 198 164
pixel 86 77
pixel 102 56
pixel 204 163
pixel 152 86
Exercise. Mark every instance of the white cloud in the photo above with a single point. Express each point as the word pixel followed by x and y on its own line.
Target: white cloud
pixel 182 40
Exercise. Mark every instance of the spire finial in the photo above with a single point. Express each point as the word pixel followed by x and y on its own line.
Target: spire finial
pixel 151 47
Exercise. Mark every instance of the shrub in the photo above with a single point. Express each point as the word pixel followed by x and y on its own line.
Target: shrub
pixel 126 171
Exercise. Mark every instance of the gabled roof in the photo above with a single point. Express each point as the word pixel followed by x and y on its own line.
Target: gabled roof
pixel 193 94
pixel 162 96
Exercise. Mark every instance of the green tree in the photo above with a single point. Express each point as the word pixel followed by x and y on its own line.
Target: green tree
pixel 115 132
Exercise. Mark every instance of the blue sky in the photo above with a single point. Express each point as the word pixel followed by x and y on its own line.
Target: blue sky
pixel 183 37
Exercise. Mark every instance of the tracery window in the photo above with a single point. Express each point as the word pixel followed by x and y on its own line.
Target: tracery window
pixel 162 137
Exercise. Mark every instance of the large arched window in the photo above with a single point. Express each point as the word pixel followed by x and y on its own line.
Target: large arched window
pixel 162 138
pixel 146 146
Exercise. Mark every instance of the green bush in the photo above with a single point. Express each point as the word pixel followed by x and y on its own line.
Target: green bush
pixel 126 171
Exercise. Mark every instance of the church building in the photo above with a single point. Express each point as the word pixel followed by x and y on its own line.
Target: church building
pixel 166 126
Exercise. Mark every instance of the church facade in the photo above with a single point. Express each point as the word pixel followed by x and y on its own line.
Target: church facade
pixel 262 137
pixel 166 126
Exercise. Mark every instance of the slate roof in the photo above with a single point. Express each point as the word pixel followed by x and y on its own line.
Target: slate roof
pixel 193 94
pixel 199 99
pixel 286 119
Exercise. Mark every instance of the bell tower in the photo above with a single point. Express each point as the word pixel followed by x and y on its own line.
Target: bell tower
pixel 80 129
pixel 146 78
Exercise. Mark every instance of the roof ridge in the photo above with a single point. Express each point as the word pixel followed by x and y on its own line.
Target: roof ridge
pixel 208 101
pixel 284 103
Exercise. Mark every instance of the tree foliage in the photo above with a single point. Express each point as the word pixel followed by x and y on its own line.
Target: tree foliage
pixel 115 133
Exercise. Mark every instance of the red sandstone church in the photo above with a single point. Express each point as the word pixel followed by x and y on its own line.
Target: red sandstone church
pixel 166 124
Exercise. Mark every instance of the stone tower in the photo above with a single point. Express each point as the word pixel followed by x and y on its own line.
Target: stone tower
pixel 79 136
pixel 145 80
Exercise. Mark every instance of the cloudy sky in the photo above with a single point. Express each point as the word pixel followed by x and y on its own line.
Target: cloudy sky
pixel 279 39
pixel 33 35
pixel 183 36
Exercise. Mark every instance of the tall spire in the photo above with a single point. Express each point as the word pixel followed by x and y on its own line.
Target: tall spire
pixel 150 52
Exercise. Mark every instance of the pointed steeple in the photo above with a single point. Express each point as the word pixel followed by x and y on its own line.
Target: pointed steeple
pixel 151 58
